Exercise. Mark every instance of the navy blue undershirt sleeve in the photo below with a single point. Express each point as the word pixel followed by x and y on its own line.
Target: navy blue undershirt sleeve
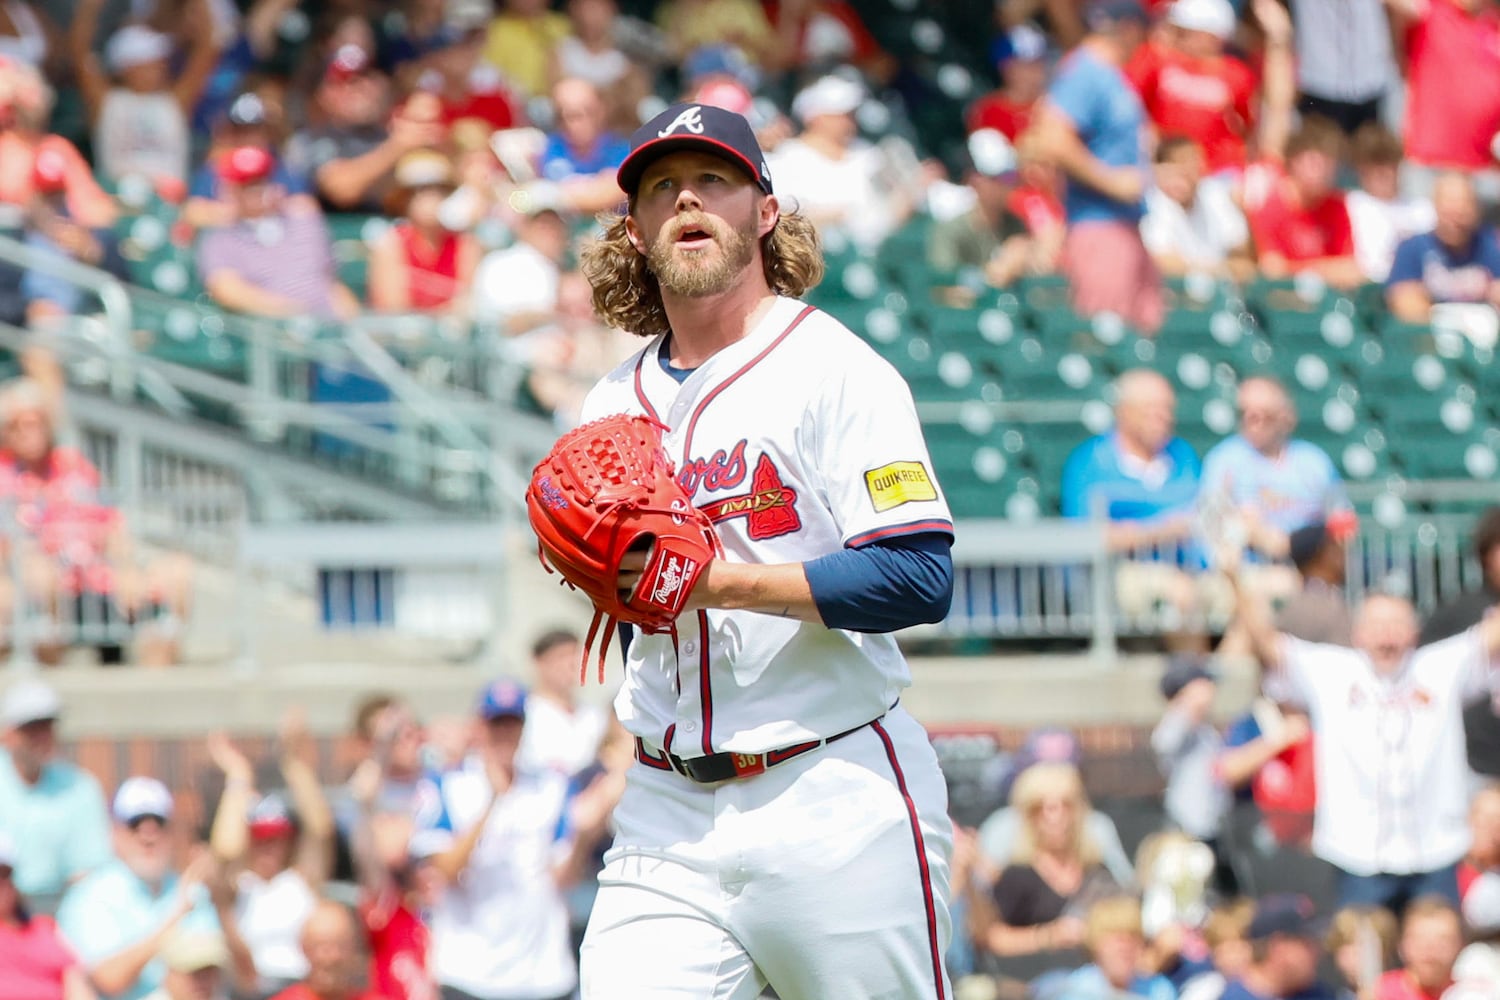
pixel 886 585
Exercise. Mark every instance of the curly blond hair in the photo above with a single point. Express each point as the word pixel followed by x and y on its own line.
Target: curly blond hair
pixel 626 293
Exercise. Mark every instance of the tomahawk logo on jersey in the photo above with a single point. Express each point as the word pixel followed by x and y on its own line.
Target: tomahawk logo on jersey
pixel 782 484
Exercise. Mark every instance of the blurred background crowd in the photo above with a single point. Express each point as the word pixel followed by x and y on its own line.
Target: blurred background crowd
pixel 1247 250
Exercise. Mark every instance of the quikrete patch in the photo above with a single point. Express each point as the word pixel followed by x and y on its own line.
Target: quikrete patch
pixel 898 483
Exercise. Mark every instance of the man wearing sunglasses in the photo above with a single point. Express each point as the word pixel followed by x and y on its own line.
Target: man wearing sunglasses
pixel 120 918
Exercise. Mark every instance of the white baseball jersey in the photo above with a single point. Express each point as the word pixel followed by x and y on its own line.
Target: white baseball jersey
pixel 798 440
pixel 1391 772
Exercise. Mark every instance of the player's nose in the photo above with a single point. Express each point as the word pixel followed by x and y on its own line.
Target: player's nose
pixel 688 200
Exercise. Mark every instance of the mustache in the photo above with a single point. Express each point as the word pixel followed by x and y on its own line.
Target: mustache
pixel 685 223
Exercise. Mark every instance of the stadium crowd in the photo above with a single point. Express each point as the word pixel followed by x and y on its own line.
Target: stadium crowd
pixel 1122 143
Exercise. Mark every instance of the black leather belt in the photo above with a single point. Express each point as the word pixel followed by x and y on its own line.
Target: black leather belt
pixel 717 767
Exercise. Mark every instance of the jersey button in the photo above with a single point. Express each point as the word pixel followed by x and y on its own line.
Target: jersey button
pixel 690 648
pixel 690 727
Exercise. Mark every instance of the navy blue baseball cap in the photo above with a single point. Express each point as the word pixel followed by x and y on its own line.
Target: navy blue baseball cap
pixel 502 699
pixel 701 127
pixel 1286 915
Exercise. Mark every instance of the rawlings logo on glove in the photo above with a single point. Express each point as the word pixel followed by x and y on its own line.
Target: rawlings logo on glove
pixel 608 488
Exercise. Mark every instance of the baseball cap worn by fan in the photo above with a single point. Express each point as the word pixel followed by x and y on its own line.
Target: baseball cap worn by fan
pixel 503 699
pixel 135 45
pixel 193 951
pixel 1183 670
pixel 1216 17
pixel 700 127
pixel 139 798
pixel 49 172
pixel 1023 43
pixel 246 165
pixel 1307 541
pixel 831 95
pixel 271 817
pixel 29 701
pixel 1286 915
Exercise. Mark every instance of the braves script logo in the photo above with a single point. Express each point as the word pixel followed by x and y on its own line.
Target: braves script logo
pixel 690 119
pixel 551 495
pixel 769 509
pixel 720 471
pixel 669 580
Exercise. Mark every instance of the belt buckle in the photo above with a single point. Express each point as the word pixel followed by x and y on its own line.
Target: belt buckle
pixel 747 764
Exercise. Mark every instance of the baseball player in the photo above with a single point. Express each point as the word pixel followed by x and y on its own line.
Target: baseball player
pixel 786 821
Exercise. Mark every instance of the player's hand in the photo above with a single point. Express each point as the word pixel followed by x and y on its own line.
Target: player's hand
pixel 632 565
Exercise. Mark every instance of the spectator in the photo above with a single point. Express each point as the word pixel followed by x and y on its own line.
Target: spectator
pixel 52 231
pixel 1431 937
pixel 80 567
pixel 418 265
pixel 27 100
pixel 1391 822
pixel 501 927
pixel 1297 215
pixel 1319 611
pixel 1226 932
pixel 1092 126
pixel 517 287
pixel 1020 57
pixel 142 116
pixel 1453 104
pixel 398 881
pixel 1362 944
pixel 468 90
pixel 691 25
pixel 1192 224
pixel 589 53
pixel 330 949
pixel 582 154
pixel 1479 874
pixel 1116 943
pixel 277 863
pixel 386 731
pixel 195 962
pixel 1053 873
pixel 121 916
pixel 1269 760
pixel 247 123
pixel 1459 261
pixel 1188 747
pixel 38 963
pixel 1192 88
pixel 820 35
pixel 1284 940
pixel 1344 65
pixel 51 806
pixel 521 41
pixel 276 259
pixel 988 239
pixel 838 179
pixel 562 735
pixel 1001 833
pixel 1268 481
pixel 1143 480
pixel 570 356
pixel 1380 215
pixel 351 155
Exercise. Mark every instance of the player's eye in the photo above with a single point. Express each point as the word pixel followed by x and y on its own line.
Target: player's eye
pixel 712 179
pixel 662 184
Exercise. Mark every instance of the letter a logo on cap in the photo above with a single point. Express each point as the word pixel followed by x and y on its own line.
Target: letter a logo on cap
pixel 690 119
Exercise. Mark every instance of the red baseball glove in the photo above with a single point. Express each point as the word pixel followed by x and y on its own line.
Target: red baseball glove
pixel 606 489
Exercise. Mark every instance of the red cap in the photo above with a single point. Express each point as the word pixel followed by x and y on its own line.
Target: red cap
pixel 246 165
pixel 1342 525
pixel 347 62
pixel 270 817
pixel 49 172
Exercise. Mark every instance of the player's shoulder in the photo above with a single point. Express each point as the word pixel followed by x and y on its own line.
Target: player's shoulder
pixel 840 348
pixel 615 392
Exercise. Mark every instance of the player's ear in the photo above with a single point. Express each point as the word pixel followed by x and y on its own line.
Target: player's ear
pixel 770 213
pixel 633 233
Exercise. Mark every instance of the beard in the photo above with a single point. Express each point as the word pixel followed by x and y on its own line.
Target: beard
pixel 699 273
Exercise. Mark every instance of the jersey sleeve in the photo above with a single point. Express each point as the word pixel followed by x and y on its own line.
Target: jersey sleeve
pixel 869 458
pixel 1407 264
